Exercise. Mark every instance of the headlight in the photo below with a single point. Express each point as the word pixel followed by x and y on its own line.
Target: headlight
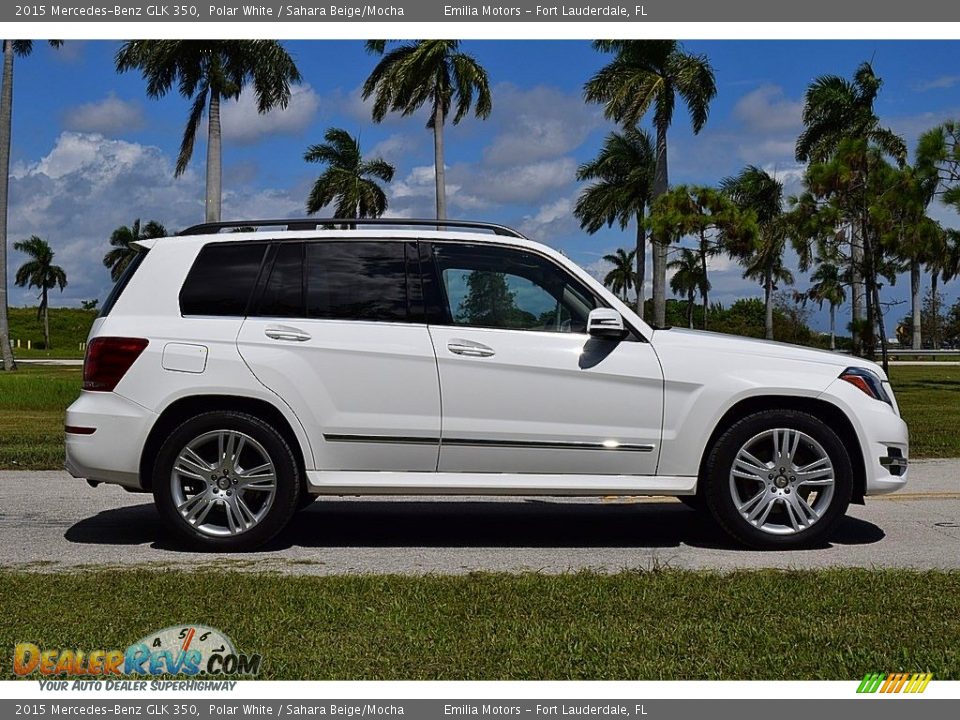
pixel 868 382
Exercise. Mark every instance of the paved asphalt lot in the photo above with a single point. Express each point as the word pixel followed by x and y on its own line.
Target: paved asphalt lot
pixel 49 521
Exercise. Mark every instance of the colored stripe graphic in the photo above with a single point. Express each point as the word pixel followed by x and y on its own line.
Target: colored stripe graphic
pixel 894 683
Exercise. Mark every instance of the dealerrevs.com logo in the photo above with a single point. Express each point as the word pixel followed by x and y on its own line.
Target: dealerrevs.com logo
pixel 176 650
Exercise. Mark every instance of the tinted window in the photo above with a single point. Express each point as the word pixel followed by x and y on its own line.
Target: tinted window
pixel 122 282
pixel 221 279
pixel 498 287
pixel 357 281
pixel 283 292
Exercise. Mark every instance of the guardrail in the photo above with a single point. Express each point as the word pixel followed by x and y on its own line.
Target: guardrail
pixel 895 352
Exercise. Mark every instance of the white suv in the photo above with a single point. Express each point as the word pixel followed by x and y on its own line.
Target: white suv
pixel 237 375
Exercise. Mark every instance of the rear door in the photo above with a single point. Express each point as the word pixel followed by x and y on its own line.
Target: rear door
pixel 337 333
pixel 524 388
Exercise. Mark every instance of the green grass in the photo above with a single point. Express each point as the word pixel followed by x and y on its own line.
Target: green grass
pixel 33 399
pixel 32 403
pixel 929 399
pixel 756 625
pixel 68 328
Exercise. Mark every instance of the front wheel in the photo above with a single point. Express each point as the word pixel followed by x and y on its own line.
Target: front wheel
pixel 226 481
pixel 779 479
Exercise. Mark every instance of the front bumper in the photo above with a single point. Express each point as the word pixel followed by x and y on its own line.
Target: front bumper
pixel 884 438
pixel 110 454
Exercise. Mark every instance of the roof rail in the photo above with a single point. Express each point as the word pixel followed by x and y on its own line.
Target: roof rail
pixel 318 223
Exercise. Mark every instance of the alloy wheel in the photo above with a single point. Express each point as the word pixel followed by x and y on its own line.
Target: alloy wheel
pixel 223 483
pixel 782 481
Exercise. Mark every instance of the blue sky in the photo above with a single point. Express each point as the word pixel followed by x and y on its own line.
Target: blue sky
pixel 91 151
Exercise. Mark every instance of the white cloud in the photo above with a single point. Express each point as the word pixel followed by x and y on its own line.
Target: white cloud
pixel 536 124
pixel 110 115
pixel 88 185
pixel 243 123
pixel 767 109
pixel 939 83
pixel 551 219
pixel 394 147
pixel 520 183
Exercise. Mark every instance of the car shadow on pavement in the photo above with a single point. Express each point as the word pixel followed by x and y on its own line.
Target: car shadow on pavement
pixel 537 523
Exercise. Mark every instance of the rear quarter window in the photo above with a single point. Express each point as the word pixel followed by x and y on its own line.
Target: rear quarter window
pixel 122 283
pixel 222 279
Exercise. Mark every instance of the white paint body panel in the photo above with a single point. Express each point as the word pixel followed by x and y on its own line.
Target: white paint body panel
pixel 387 379
pixel 353 378
pixel 550 388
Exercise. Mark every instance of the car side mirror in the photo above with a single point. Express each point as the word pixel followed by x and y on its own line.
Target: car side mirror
pixel 606 323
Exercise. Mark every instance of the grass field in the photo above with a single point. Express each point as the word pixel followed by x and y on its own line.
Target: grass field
pixel 32 403
pixel 929 399
pixel 68 328
pixel 762 625
pixel 33 399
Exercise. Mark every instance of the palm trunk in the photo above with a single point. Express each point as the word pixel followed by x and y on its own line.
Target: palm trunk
pixel 6 114
pixel 660 186
pixel 768 301
pixel 915 303
pixel 690 297
pixel 833 326
pixel 868 274
pixel 214 160
pixel 856 287
pixel 704 285
pixel 440 171
pixel 641 262
pixel 935 308
pixel 46 321
pixel 881 328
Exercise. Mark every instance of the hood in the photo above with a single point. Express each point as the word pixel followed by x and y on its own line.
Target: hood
pixel 713 342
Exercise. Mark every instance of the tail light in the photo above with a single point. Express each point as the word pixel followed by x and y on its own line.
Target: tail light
pixel 108 359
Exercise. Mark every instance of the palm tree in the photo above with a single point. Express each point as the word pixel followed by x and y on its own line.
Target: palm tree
pixel 349 180
pixel 709 216
pixel 911 234
pixel 620 279
pixel 688 277
pixel 40 272
pixel 838 110
pixel 623 184
pixel 755 189
pixel 122 239
pixel 10 49
pixel 206 72
pixel 943 262
pixel 828 287
pixel 431 72
pixel 647 74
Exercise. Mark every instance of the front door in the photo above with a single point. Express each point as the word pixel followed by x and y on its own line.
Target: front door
pixel 524 389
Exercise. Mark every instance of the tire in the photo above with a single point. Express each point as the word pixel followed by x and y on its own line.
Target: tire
pixel 778 479
pixel 226 481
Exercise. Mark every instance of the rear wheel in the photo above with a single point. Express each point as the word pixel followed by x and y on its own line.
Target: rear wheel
pixel 226 481
pixel 779 479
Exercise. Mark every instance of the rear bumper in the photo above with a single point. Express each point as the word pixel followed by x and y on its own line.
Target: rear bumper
pixel 111 453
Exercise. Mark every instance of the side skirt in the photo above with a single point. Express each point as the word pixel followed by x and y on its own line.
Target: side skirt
pixel 335 482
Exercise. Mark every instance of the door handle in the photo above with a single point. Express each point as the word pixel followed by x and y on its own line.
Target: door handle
pixel 469 348
pixel 284 332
